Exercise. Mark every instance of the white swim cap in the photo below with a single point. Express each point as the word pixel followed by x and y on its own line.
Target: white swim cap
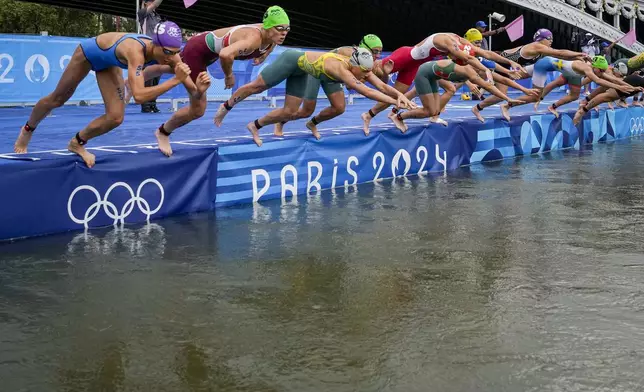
pixel 622 68
pixel 363 58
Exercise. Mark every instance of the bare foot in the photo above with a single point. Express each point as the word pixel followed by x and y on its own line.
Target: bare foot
pixel 23 140
pixel 366 120
pixel 578 116
pixel 505 111
pixel 219 116
pixel 74 147
pixel 278 130
pixel 536 105
pixel 553 111
pixel 610 106
pixel 622 103
pixel 596 108
pixel 164 143
pixel 397 122
pixel 639 103
pixel 255 132
pixel 477 113
pixel 438 120
pixel 314 129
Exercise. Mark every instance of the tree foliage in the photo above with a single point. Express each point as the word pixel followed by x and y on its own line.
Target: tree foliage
pixel 18 17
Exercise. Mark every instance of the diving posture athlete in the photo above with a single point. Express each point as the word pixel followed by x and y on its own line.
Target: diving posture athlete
pixel 294 66
pixel 426 82
pixel 243 42
pixel 571 69
pixel 106 54
pixel 527 56
pixel 334 92
pixel 406 61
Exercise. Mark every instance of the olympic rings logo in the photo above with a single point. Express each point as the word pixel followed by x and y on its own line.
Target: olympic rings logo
pixel 637 124
pixel 109 207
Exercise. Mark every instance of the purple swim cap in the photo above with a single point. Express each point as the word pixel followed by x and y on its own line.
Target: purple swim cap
pixel 167 34
pixel 542 34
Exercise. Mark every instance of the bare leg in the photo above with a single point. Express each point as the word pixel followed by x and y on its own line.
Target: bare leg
pixel 493 100
pixel 110 82
pixel 291 105
pixel 337 107
pixel 76 71
pixel 551 86
pixel 573 96
pixel 450 90
pixel 431 107
pixel 608 96
pixel 307 109
pixel 505 108
pixel 379 107
pixel 181 117
pixel 489 101
pixel 254 87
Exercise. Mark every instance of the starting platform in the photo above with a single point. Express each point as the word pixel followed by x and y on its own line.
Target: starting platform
pixel 50 190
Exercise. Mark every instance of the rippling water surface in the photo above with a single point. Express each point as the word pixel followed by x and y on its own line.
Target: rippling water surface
pixel 515 276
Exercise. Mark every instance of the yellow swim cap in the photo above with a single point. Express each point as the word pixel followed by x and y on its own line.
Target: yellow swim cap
pixel 473 35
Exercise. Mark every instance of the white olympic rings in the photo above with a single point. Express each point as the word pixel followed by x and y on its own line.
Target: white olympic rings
pixel 110 208
pixel 637 124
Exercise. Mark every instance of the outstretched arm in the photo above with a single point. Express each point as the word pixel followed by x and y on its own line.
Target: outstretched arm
pixel 381 86
pixel 588 71
pixel 502 69
pixel 497 58
pixel 511 83
pixel 562 53
pixel 614 79
pixel 387 89
pixel 352 83
pixel 475 78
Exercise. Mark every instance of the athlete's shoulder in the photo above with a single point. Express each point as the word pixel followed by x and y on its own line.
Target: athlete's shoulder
pixel 249 30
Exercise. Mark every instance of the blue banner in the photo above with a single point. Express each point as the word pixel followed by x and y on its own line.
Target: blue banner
pixel 300 166
pixel 55 195
pixel 60 194
pixel 284 168
pixel 30 67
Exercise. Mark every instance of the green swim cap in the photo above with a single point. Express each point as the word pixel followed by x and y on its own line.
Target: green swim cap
pixel 370 41
pixel 600 62
pixel 275 16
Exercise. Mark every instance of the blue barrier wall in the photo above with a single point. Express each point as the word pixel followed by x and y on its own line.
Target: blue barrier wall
pixel 59 194
pixel 55 194
pixel 302 166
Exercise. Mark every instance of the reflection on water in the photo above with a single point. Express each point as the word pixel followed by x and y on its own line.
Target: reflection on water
pixel 524 275
pixel 148 240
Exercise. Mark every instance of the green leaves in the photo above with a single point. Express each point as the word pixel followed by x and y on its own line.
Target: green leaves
pixel 28 18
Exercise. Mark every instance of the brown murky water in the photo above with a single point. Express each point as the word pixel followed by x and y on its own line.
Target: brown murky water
pixel 518 276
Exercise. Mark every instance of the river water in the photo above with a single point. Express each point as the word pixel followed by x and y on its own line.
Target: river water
pixel 523 275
